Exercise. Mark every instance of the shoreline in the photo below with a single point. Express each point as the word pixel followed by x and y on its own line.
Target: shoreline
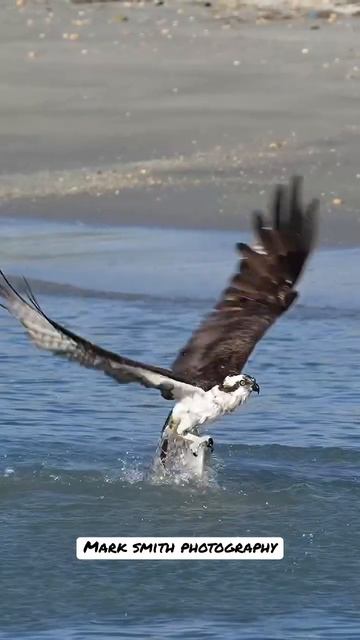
pixel 174 210
pixel 173 118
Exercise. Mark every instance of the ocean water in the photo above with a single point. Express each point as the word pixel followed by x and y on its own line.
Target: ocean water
pixel 76 449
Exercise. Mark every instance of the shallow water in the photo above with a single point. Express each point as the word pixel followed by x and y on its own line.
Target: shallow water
pixel 77 450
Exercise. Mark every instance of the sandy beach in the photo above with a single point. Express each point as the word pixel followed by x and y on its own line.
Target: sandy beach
pixel 177 114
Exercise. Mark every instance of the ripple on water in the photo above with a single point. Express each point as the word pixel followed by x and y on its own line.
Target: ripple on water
pixel 77 455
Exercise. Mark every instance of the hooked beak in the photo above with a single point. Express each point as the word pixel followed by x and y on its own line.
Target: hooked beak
pixel 255 387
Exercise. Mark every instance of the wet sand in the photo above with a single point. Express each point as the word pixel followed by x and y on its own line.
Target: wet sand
pixel 176 115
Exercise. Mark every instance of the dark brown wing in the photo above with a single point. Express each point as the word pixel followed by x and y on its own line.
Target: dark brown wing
pixel 50 335
pixel 260 291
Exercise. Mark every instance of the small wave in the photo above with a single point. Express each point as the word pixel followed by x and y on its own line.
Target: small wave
pixel 37 477
pixel 247 478
pixel 327 465
pixel 314 453
pixel 326 312
pixel 46 287
pixel 22 479
pixel 182 476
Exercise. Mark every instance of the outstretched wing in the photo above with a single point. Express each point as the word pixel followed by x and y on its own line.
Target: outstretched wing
pixel 50 335
pixel 259 292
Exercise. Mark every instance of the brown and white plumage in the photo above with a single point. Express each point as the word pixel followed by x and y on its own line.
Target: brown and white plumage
pixel 50 335
pixel 259 292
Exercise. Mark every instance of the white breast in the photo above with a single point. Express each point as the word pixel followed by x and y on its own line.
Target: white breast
pixel 206 406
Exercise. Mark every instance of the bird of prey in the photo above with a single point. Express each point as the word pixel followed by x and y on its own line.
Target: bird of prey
pixel 206 379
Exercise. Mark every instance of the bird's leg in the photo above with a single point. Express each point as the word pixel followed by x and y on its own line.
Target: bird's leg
pixel 197 442
pixel 183 430
pixel 183 427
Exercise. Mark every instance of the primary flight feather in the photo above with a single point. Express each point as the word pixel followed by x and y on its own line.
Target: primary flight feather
pixel 258 293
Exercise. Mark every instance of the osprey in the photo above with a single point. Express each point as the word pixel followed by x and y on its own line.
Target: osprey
pixel 206 379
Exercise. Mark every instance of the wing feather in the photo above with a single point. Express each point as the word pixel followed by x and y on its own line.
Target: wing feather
pixel 49 335
pixel 259 292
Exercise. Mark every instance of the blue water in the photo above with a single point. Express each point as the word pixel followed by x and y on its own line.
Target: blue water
pixel 76 450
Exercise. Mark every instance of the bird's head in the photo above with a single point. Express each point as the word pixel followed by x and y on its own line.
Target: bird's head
pixel 242 383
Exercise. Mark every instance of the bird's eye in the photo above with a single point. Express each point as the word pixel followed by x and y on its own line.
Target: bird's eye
pixel 243 383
